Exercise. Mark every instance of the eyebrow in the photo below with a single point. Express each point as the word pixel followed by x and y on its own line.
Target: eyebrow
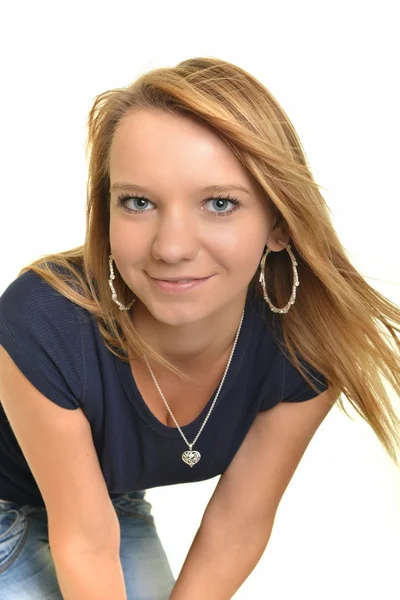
pixel 209 188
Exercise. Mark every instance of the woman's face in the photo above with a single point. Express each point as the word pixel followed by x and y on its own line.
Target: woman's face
pixel 176 231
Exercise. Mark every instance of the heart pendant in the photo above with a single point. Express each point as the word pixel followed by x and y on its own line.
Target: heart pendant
pixel 191 457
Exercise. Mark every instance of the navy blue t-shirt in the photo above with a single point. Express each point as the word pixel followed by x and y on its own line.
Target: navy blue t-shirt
pixel 58 347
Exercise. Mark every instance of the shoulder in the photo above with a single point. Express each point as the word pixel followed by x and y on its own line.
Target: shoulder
pixel 281 380
pixel 32 304
pixel 42 332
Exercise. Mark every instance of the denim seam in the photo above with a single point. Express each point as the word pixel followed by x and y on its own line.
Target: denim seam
pixel 18 549
pixel 13 524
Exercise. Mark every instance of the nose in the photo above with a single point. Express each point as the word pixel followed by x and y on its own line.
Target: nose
pixel 176 238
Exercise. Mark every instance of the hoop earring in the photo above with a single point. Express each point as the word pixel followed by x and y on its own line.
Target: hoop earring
pixel 296 282
pixel 113 292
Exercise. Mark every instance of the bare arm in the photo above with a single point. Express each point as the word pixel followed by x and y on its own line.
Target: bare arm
pixel 220 559
pixel 57 443
pixel 238 520
pixel 96 576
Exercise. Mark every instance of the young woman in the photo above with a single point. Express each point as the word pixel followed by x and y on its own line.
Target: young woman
pixel 206 327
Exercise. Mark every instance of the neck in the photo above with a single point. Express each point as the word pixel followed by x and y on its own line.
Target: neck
pixel 191 346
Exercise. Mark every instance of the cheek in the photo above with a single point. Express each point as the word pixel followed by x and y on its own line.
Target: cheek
pixel 242 248
pixel 125 241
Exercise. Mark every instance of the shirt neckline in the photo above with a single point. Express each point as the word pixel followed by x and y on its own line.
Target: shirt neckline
pixel 129 383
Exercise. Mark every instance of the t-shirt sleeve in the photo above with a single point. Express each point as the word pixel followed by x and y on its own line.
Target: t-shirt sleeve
pixel 296 388
pixel 286 384
pixel 41 331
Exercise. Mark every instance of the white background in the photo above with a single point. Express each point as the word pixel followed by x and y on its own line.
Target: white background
pixel 334 68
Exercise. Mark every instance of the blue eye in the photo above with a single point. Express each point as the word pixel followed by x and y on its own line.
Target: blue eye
pixel 221 200
pixel 235 202
pixel 125 197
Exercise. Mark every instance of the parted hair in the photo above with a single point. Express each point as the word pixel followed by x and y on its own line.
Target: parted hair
pixel 339 324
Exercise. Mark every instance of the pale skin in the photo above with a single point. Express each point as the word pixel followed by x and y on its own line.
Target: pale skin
pixel 178 233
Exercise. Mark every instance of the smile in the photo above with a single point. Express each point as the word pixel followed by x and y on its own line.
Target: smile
pixel 178 287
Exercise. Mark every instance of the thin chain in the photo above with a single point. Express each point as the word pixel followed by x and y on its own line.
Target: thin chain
pixel 215 399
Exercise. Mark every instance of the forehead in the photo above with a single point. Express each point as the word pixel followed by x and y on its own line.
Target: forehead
pixel 161 124
pixel 151 141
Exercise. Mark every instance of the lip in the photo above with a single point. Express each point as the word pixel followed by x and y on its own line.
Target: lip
pixel 174 287
pixel 181 278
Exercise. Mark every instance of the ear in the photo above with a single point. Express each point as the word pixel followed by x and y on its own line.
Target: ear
pixel 277 232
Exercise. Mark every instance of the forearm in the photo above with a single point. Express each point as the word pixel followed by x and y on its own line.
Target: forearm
pixel 220 559
pixel 92 576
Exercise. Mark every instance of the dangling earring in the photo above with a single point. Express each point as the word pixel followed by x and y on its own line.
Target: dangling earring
pixel 296 282
pixel 113 292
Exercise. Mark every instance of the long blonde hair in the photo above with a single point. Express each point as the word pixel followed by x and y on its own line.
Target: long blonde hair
pixel 339 324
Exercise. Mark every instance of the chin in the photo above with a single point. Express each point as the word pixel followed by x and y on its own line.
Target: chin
pixel 176 315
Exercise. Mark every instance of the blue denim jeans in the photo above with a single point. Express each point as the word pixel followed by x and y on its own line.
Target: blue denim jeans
pixel 27 570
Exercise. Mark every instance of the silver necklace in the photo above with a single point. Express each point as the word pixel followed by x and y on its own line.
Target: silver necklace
pixel 191 457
